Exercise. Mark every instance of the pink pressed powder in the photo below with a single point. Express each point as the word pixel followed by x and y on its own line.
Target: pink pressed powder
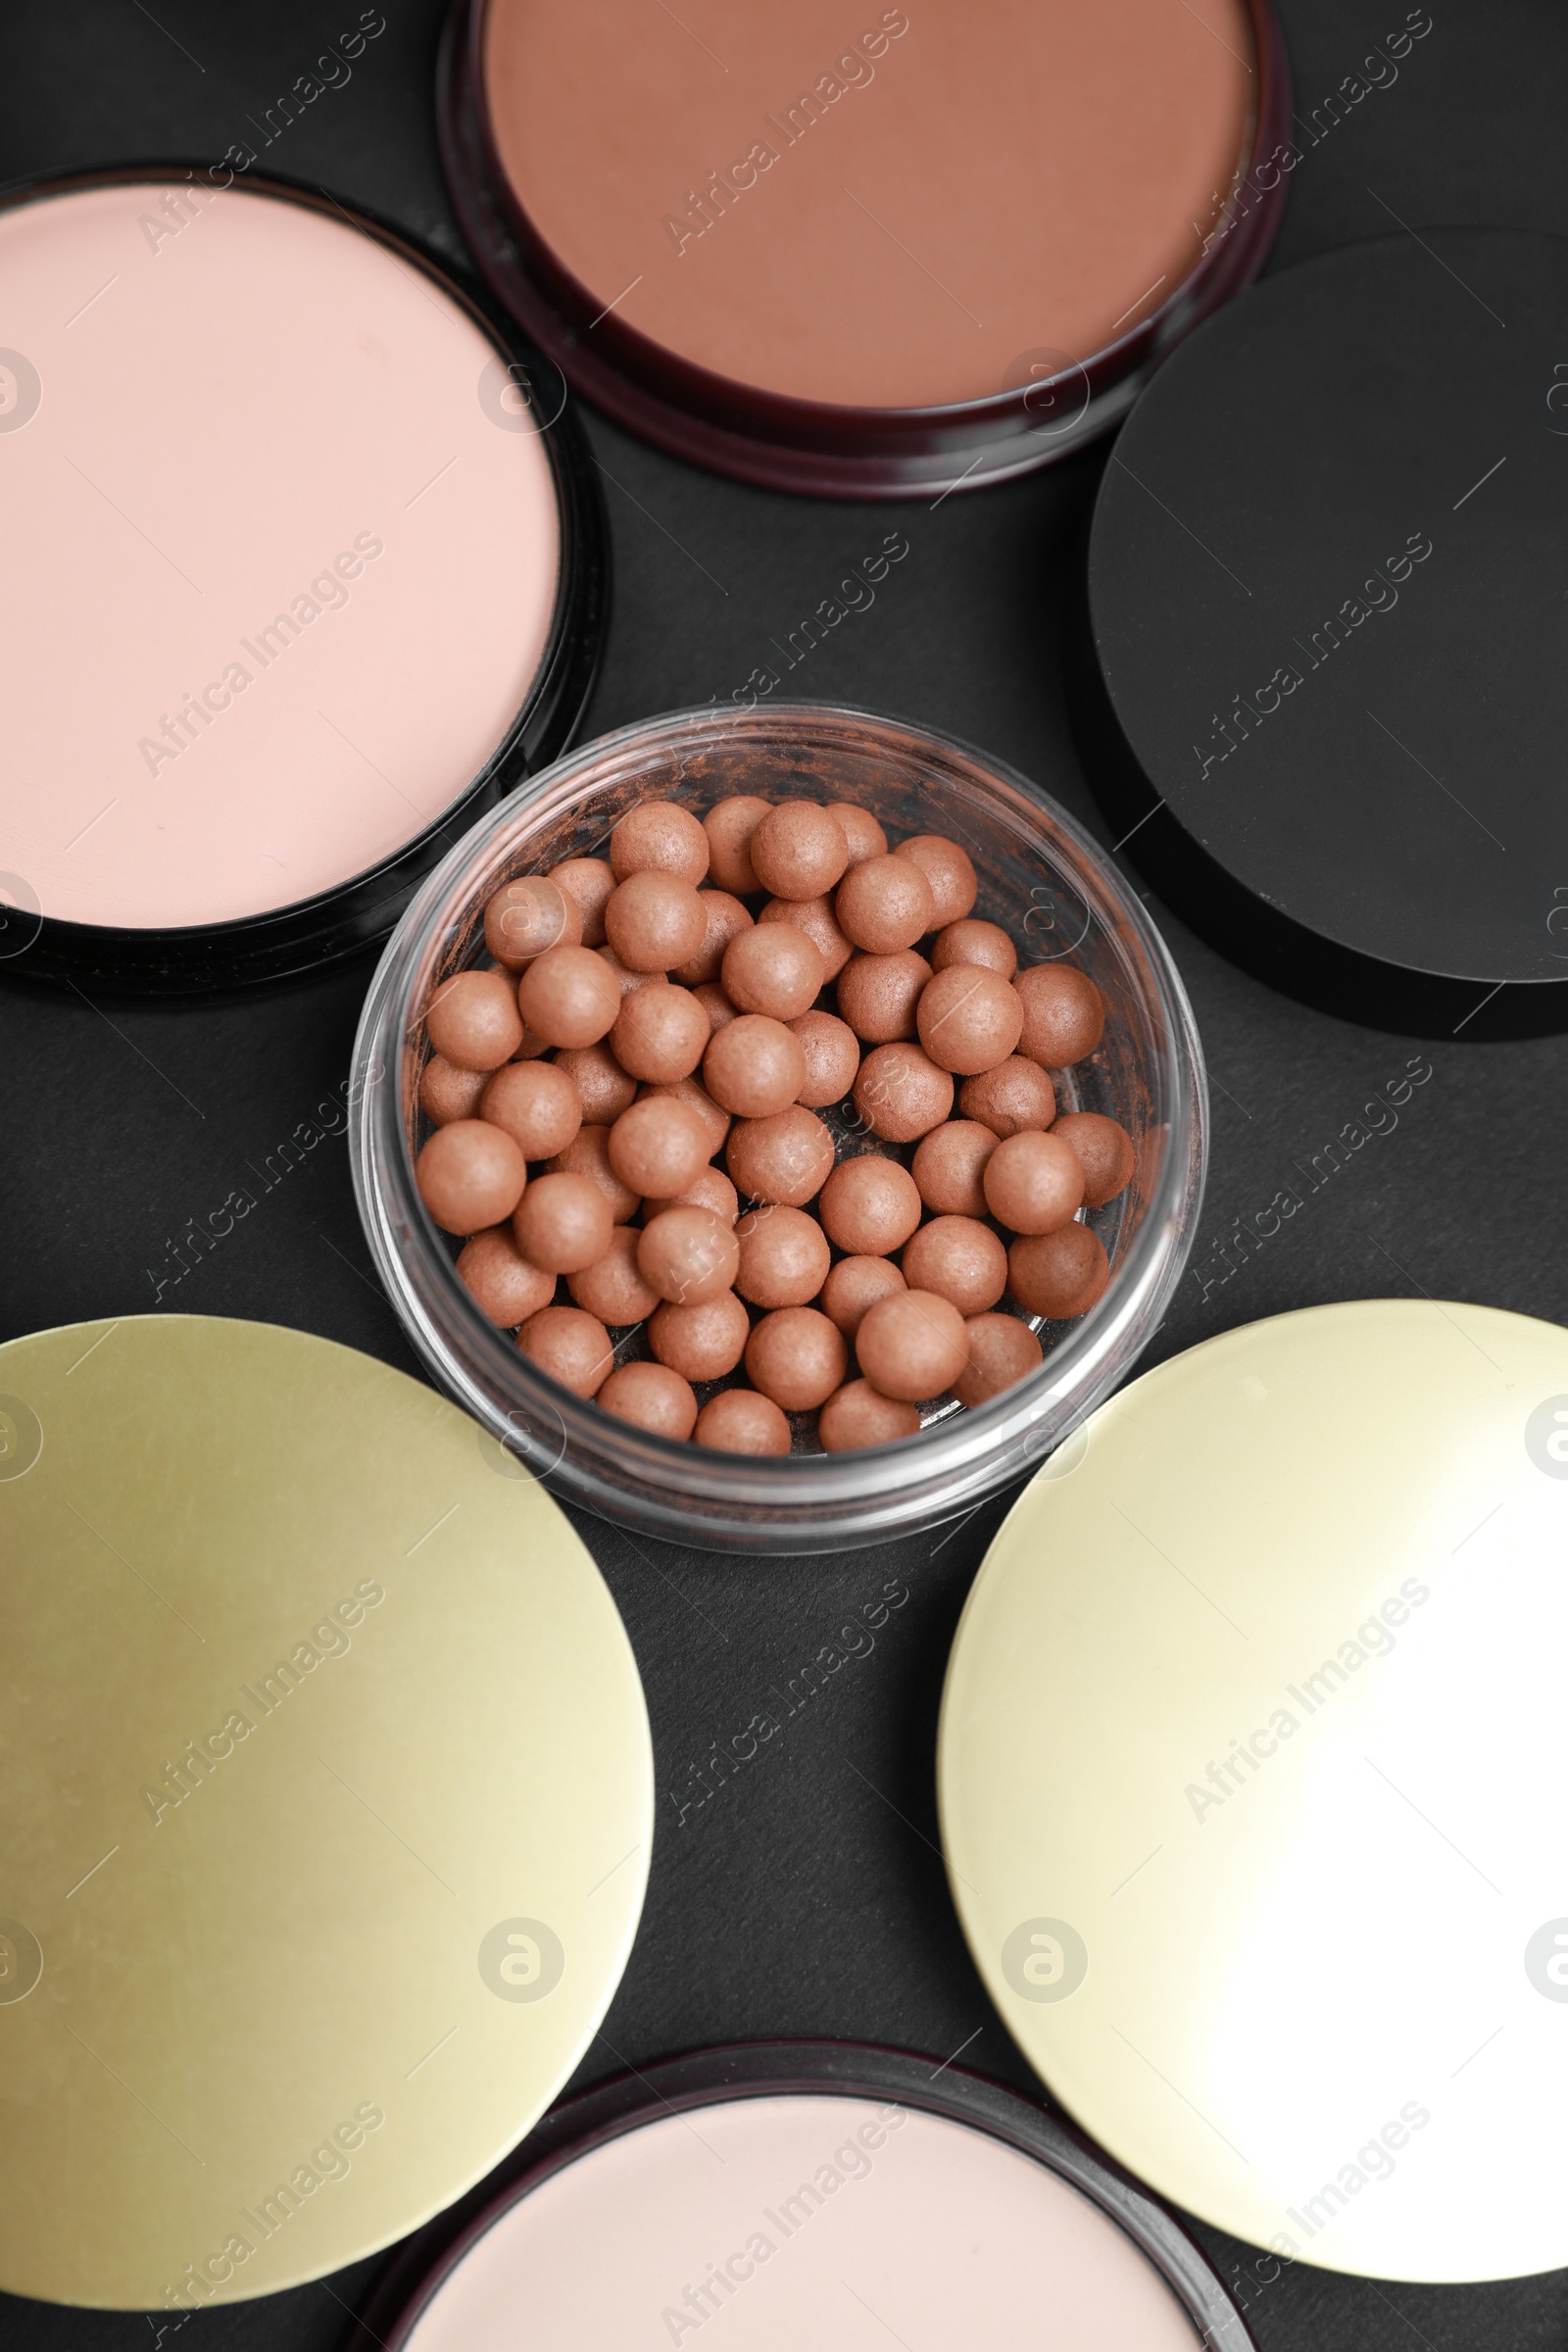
pixel 805 2220
pixel 281 567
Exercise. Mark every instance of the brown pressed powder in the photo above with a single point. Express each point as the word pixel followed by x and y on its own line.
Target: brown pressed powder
pixel 890 208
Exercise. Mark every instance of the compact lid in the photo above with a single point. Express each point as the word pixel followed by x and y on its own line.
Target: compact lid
pixel 1325 596
pixel 328 1797
pixel 1251 1790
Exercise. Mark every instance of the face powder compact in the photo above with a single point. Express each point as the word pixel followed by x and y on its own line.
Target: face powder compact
pixel 302 577
pixel 1323 698
pixel 1250 1785
pixel 304 1922
pixel 806 2192
pixel 941 249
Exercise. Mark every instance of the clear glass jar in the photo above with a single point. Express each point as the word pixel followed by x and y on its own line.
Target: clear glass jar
pixel 1044 879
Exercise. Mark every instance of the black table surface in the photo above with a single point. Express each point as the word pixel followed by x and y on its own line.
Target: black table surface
pixel 807 1897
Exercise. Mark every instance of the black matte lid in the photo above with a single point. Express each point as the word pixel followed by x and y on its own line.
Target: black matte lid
pixel 1328 595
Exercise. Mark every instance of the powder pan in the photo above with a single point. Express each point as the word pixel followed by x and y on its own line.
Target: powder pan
pixel 218 400
pixel 1114 2269
pixel 709 396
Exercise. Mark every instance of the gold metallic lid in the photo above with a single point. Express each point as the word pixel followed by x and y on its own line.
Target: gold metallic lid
pixel 326 1793
pixel 1252 1790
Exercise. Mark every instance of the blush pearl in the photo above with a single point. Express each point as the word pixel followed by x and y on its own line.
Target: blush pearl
pixel 901 1094
pixel 816 918
pixel 659 837
pixel 911 1345
pixel 658 1147
pixel 969 1019
pixel 948 871
pixel 857 1416
pixel 700 1343
pixel 525 918
pixel 729 826
pixel 499 1279
pixel 784 1158
pixel 613 1287
pixel 1105 1149
pixel 878 994
pixel 1001 1352
pixel 796 1356
pixel 653 920
pixel 715 1122
pixel 651 1397
pixel 1032 1183
pixel 961 1259
pixel 574 1348
pixel 832 1058
pixel 753 1066
pixel 742 1421
pixel 470 1175
pixel 863 834
pixel 884 903
pixel 688 1256
pixel 590 881
pixel 725 918
pixel 970 941
pixel 799 850
pixel 773 968
pixel 660 1033
pixel 563 1223
pixel 870 1206
pixel 570 997
pixel 603 1087
pixel 1015 1094
pixel 1058 1274
pixel 534 1103
pixel 448 1092
pixel 784 1257
pixel 711 1188
pixel 713 1002
pixel 473 1019
pixel 949 1165
pixel 625 978
pixel 1064 1014
pixel 854 1285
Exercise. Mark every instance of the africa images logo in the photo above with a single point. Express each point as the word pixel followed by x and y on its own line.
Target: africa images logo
pixel 1546 1437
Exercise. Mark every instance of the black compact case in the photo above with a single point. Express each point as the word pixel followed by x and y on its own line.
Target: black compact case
pixel 1321 692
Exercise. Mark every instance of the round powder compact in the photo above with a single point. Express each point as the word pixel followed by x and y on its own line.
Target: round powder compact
pixel 807 2193
pixel 1325 700
pixel 1296 1948
pixel 302 1925
pixel 858 256
pixel 304 573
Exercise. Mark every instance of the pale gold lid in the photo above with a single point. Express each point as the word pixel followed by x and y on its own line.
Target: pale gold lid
pixel 252 2031
pixel 1253 1788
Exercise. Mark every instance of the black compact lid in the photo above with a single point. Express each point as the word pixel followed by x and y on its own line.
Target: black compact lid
pixel 1328 592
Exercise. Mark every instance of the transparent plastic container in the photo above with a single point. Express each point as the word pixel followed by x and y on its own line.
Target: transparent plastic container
pixel 1044 879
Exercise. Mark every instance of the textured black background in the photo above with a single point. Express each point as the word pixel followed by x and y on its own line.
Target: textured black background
pixel 807 1896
